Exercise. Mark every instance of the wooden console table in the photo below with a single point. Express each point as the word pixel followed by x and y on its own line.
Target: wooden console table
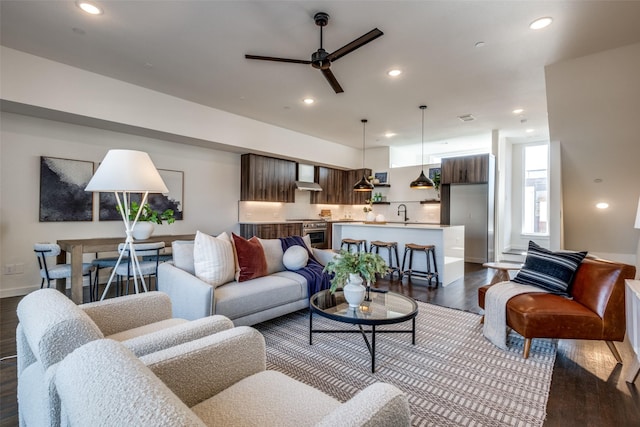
pixel 76 247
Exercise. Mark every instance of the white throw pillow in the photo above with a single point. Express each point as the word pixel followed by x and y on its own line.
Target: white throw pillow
pixel 295 258
pixel 273 253
pixel 213 259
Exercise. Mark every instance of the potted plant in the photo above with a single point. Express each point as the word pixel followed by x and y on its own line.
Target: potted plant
pixel 350 268
pixel 436 182
pixel 148 216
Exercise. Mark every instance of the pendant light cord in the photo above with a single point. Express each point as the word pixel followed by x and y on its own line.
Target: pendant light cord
pixel 422 107
pixel 364 124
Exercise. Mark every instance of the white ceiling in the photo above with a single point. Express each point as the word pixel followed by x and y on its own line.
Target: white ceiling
pixel 195 50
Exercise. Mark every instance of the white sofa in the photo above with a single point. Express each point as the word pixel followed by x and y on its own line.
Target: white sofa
pixel 51 326
pixel 219 380
pixel 245 303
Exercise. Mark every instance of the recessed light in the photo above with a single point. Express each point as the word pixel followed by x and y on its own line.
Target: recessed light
pixel 518 111
pixel 602 205
pixel 529 131
pixel 541 23
pixel 389 134
pixel 308 101
pixel 89 7
pixel 394 72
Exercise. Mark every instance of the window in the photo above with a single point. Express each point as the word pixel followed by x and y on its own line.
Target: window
pixel 535 203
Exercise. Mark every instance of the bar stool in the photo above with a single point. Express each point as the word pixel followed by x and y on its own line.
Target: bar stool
pixel 428 250
pixel 360 244
pixel 389 246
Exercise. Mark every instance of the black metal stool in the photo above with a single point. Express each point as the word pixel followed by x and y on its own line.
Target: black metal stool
pixel 428 250
pixel 361 245
pixel 390 247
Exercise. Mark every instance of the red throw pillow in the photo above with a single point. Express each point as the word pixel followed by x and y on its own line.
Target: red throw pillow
pixel 251 259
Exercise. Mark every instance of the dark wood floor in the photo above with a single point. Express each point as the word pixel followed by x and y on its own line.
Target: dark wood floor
pixel 587 388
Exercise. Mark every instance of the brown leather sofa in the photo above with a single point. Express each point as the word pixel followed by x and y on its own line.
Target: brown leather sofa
pixel 596 312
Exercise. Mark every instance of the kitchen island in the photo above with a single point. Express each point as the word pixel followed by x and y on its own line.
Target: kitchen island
pixel 448 240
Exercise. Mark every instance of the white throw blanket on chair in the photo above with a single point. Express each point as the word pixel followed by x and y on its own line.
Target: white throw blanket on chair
pixel 495 310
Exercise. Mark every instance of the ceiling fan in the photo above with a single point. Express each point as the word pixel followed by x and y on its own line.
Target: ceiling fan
pixel 321 59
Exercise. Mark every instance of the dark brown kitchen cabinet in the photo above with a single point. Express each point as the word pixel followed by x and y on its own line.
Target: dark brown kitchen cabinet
pixel 267 179
pixel 337 186
pixel 271 231
pixel 356 197
pixel 332 183
pixel 466 170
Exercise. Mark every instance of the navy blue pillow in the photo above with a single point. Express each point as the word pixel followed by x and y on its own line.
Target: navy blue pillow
pixel 552 271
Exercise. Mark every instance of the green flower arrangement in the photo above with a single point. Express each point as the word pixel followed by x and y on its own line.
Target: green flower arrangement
pixel 149 215
pixel 367 265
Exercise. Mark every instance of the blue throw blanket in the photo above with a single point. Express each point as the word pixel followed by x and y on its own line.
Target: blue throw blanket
pixel 317 280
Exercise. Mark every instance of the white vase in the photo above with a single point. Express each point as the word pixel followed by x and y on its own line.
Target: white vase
pixel 354 291
pixel 142 230
pixel 371 216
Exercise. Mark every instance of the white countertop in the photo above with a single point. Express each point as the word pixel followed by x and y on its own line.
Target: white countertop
pixel 422 226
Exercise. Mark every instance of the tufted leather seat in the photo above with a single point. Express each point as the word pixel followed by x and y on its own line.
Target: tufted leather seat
pixel 596 312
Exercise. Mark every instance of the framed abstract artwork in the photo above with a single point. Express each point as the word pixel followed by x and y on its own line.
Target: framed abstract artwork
pixel 174 180
pixel 62 195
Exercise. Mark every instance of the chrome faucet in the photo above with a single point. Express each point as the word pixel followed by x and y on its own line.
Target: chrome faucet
pixel 402 205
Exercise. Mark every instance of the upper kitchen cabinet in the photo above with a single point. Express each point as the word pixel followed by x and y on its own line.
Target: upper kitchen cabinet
pixel 332 181
pixel 356 197
pixel 466 170
pixel 267 179
pixel 337 186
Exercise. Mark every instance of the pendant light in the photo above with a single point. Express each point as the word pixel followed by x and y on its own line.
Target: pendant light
pixel 422 183
pixel 363 184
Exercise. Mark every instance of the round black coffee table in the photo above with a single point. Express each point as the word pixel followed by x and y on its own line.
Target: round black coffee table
pixel 383 308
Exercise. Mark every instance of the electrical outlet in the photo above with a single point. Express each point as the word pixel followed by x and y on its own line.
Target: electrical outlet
pixel 19 268
pixel 9 269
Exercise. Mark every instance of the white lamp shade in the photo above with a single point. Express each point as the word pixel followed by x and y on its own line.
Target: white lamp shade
pixel 127 170
pixel 638 216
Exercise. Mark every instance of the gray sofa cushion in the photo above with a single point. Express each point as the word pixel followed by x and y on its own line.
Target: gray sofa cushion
pixel 238 299
pixel 183 255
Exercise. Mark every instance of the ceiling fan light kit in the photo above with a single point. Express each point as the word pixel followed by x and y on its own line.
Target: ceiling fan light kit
pixel 422 183
pixel 363 184
pixel 321 59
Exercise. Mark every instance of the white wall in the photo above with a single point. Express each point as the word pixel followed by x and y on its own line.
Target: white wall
pixel 48 87
pixel 211 188
pixel 593 114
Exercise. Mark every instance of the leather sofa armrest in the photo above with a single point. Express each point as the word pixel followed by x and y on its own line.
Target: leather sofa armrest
pixel 199 369
pixel 191 298
pixel 380 404
pixel 115 315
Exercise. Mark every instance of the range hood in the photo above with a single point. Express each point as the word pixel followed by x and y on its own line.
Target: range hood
pixel 305 178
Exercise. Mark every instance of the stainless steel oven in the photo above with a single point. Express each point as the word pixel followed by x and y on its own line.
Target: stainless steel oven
pixel 317 231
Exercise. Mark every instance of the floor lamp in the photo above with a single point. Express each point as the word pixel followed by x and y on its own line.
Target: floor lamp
pixel 124 172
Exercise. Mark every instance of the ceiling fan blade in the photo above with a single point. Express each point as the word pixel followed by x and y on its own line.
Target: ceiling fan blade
pixel 332 80
pixel 270 58
pixel 359 42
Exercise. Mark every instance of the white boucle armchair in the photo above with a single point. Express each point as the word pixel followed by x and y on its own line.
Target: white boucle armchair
pixel 51 326
pixel 217 380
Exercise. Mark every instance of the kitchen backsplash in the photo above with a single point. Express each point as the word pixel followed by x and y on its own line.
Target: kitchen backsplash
pixel 303 209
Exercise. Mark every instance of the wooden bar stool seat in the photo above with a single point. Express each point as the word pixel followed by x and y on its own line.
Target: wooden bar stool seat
pixel 430 251
pixel 391 247
pixel 360 244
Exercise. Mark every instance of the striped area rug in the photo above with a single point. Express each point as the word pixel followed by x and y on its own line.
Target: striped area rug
pixel 453 376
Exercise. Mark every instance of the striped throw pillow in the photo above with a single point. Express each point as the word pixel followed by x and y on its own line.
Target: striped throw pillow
pixel 552 271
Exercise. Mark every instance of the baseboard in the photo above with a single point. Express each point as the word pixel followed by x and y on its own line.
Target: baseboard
pixel 17 292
